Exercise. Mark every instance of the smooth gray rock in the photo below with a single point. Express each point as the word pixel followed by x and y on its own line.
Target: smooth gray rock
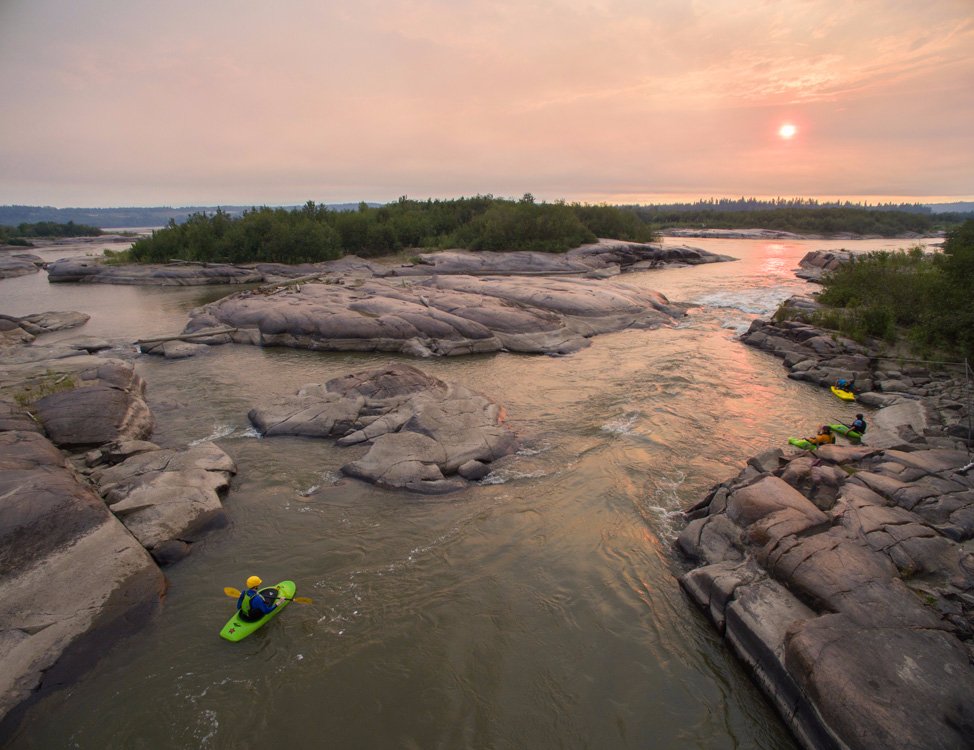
pixel 420 430
pixel 439 315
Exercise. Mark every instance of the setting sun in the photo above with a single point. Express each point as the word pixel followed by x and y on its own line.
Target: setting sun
pixel 787 131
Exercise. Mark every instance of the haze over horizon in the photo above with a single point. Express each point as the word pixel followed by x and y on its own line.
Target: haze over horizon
pixel 245 103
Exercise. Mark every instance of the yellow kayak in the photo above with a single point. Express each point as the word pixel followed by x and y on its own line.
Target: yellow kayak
pixel 844 395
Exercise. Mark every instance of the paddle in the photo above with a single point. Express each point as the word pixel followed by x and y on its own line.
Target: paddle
pixel 232 592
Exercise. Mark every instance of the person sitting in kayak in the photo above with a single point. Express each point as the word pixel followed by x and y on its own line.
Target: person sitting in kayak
pixel 824 436
pixel 859 424
pixel 254 603
pixel 845 385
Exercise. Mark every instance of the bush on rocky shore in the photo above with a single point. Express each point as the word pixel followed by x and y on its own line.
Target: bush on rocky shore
pixel 926 300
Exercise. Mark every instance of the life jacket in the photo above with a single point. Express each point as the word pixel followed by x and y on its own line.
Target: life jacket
pixel 859 426
pixel 249 613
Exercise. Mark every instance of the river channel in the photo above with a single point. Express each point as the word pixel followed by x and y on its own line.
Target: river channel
pixel 539 609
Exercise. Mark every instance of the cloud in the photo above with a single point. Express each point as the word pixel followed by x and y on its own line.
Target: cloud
pixel 257 102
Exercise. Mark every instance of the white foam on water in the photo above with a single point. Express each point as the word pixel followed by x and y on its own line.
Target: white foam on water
pixel 219 431
pixel 503 476
pixel 662 505
pixel 761 301
pixel 623 425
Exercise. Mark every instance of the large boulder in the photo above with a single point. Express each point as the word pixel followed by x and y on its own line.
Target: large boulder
pixel 420 430
pixel 93 402
pixel 168 499
pixel 73 578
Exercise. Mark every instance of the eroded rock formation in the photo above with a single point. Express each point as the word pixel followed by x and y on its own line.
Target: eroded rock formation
pixel 423 434
pixel 438 315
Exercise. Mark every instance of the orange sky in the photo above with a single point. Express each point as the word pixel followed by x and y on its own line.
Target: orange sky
pixel 243 102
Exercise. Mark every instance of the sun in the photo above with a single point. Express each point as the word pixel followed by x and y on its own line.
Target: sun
pixel 787 131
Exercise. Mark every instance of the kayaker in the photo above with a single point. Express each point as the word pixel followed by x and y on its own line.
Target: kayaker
pixel 859 424
pixel 845 385
pixel 824 436
pixel 254 603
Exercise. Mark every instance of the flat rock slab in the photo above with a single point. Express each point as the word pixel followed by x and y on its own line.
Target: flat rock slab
pixel 439 315
pixel 95 271
pixel 12 266
pixel 420 430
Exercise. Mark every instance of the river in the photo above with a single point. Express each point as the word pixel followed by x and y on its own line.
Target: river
pixel 539 609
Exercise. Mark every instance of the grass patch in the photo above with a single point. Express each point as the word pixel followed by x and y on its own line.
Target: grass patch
pixel 45 385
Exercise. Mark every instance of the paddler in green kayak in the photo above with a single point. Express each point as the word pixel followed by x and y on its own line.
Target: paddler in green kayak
pixel 254 603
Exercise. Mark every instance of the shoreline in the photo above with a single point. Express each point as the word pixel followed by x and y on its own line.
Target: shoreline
pixel 844 579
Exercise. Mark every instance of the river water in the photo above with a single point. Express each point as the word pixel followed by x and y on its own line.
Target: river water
pixel 539 609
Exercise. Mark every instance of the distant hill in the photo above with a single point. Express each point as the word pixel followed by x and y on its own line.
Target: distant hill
pixel 958 207
pixel 117 218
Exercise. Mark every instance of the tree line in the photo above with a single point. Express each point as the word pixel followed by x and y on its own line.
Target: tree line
pixel 802 219
pixel 22 233
pixel 924 299
pixel 315 233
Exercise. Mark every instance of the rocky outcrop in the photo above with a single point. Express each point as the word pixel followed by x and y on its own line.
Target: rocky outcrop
pixel 168 499
pixel 821 357
pixel 735 234
pixel 15 331
pixel 93 402
pixel 438 315
pixel 96 271
pixel 844 578
pixel 602 258
pixel 845 583
pixel 72 576
pixel 19 264
pixel 423 434
pixel 817 263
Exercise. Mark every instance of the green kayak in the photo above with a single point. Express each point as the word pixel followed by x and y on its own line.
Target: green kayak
pixel 802 443
pixel 237 629
pixel 844 429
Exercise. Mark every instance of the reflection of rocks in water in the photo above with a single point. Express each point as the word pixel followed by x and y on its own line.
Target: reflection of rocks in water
pixel 423 434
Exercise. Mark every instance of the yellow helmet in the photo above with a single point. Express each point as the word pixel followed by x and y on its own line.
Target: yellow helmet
pixel 253 582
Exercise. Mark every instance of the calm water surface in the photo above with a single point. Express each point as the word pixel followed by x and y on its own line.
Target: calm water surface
pixel 539 609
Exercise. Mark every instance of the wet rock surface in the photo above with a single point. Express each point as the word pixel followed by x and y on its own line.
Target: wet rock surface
pixel 844 578
pixel 423 434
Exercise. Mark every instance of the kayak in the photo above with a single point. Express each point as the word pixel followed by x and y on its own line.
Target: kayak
pixel 237 629
pixel 844 395
pixel 802 443
pixel 844 429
